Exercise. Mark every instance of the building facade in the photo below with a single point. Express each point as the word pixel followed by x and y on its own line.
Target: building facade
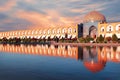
pixel 94 24
pixel 94 58
pixel 60 32
pixel 91 21
pixel 108 29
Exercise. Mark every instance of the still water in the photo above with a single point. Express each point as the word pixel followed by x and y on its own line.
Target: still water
pixel 49 62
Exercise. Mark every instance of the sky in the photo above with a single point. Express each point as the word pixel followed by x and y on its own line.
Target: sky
pixel 31 14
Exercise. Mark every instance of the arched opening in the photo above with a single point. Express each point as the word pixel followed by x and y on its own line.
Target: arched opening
pixel 109 28
pixel 93 31
pixel 102 29
pixel 118 27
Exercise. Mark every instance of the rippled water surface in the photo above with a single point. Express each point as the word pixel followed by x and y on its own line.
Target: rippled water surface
pixel 49 62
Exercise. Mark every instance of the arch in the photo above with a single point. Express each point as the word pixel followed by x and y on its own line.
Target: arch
pixel 102 29
pixel 64 30
pixel 40 31
pixel 69 30
pixel 118 27
pixel 49 31
pixel 93 31
pixel 36 31
pixel 75 30
pixel 109 28
pixel 33 31
pixel 58 31
pixel 53 31
pixel 26 32
pixel 44 32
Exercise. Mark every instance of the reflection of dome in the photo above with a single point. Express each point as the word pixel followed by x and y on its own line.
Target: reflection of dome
pixel 94 16
pixel 94 67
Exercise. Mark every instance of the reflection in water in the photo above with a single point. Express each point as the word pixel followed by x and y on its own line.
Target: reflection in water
pixel 94 58
pixel 46 50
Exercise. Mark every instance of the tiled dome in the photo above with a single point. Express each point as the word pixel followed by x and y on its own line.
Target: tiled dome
pixel 94 16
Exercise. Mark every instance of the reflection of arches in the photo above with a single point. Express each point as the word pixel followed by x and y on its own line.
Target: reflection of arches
pixel 92 31
pixel 118 27
pixel 92 52
pixel 109 28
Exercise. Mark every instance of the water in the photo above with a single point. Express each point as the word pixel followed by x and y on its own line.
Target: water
pixel 48 62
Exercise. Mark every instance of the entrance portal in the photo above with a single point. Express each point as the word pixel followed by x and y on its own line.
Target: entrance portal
pixel 93 31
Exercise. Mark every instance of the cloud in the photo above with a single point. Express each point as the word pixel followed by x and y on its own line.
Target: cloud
pixel 52 13
pixel 50 19
pixel 8 5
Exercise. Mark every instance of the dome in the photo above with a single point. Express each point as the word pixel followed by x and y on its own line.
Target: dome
pixel 94 16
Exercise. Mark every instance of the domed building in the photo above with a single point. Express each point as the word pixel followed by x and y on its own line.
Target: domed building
pixel 94 24
pixel 91 21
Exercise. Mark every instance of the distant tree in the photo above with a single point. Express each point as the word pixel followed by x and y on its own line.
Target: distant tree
pixel 100 39
pixel 108 39
pixel 114 38
pixel 4 40
pixel 62 40
pixel 82 40
pixel 88 39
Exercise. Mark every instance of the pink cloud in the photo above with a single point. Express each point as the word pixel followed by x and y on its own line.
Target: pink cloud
pixel 8 5
pixel 51 19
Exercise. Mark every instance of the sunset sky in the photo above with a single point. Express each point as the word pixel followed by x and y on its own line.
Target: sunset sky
pixel 29 14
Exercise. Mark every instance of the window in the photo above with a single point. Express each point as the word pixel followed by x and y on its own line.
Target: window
pixel 32 32
pixel 75 30
pixel 69 30
pixel 102 29
pixel 44 32
pixel 40 32
pixel 58 31
pixel 36 32
pixel 25 32
pixel 118 27
pixel 53 31
pixel 109 28
pixel 48 31
pixel 64 30
pixel 28 32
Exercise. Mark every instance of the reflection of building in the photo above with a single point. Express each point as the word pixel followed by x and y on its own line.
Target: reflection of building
pixel 91 61
pixel 94 58
pixel 45 50
pixel 109 54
